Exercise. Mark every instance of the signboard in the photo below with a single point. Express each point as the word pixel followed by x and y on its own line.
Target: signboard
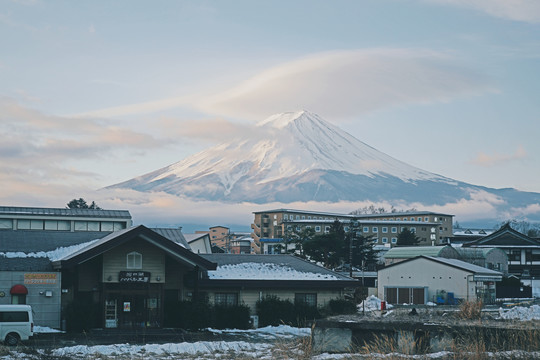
pixel 134 277
pixel 40 278
pixel 127 306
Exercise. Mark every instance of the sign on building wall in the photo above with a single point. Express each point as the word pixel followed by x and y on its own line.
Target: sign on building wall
pixel 40 278
pixel 134 276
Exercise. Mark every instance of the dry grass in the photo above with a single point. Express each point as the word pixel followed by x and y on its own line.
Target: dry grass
pixel 471 310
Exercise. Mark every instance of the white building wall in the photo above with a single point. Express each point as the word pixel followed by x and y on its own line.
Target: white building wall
pixel 426 273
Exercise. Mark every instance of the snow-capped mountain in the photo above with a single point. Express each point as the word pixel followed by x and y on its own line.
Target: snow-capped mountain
pixel 300 157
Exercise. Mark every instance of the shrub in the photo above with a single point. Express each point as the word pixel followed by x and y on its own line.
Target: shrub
pixel 341 306
pixel 232 317
pixel 273 311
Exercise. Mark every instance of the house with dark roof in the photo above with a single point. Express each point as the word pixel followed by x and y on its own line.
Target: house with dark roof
pixel 125 278
pixel 523 254
pixel 424 279
pixel 245 279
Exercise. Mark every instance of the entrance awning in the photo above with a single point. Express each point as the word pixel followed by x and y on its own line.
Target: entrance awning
pixel 18 290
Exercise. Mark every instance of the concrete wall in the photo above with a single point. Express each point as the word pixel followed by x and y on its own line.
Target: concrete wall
pixel 39 284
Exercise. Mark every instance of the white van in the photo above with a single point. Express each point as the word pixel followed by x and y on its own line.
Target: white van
pixel 16 323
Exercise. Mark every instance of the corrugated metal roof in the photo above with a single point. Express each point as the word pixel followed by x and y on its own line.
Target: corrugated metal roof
pixel 35 241
pixel 414 251
pixel 34 211
pixel 466 266
pixel 173 234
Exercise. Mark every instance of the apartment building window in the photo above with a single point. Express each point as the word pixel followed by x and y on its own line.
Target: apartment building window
pixel 298 228
pixel 226 299
pixel 317 228
pixel 385 229
pixel 384 240
pixel 308 226
pixel 394 240
pixel 375 229
pixel 327 229
pixel 426 219
pixel 346 228
pixel 365 229
pixel 297 217
pixel 398 219
pixel 285 217
pixel 394 230
pixel 303 217
pixel 413 230
pixel 289 227
pixel 435 219
pixel 306 298
pixel 309 217
pixel 6 224
pixel 23 224
pixel 404 219
pixel 419 219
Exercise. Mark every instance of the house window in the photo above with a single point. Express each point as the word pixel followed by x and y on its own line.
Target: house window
pixel 134 260
pixel 394 240
pixel 384 240
pixel 226 299
pixel 306 298
pixel 394 230
pixel 515 255
pixel 317 228
pixel 375 229
pixel 365 229
pixel 384 229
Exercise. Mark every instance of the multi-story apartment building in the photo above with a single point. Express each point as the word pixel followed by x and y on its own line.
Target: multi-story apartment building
pixel 432 228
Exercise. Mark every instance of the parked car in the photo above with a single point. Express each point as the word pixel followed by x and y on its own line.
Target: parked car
pixel 16 323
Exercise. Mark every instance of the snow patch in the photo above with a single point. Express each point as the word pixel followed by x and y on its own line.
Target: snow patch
pixel 264 271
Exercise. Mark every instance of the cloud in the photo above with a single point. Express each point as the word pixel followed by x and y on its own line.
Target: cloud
pixel 349 83
pixel 518 10
pixel 340 84
pixel 39 149
pixel 486 160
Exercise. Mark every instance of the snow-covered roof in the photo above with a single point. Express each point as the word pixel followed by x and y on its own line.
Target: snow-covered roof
pixel 268 267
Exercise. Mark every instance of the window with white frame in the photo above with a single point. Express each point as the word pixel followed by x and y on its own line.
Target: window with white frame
pixel 317 228
pixel 394 240
pixel 327 229
pixel 384 240
pixel 365 229
pixel 375 229
pixel 394 230
pixel 134 260
pixel 385 229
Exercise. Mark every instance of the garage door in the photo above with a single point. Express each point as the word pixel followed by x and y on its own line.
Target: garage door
pixel 405 295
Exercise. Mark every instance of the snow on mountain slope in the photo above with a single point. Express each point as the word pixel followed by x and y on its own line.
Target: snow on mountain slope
pixel 291 145
pixel 300 157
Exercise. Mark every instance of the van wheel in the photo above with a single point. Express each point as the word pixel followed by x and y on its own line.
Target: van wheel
pixel 12 339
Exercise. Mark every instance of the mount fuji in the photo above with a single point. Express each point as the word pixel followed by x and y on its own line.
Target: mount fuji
pixel 299 156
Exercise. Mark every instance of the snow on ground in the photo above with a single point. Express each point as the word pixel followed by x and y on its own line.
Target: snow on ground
pixel 45 329
pixel 281 331
pixel 372 303
pixel 521 313
pixel 265 271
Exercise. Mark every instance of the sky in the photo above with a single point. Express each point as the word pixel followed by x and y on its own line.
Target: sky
pixel 93 93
